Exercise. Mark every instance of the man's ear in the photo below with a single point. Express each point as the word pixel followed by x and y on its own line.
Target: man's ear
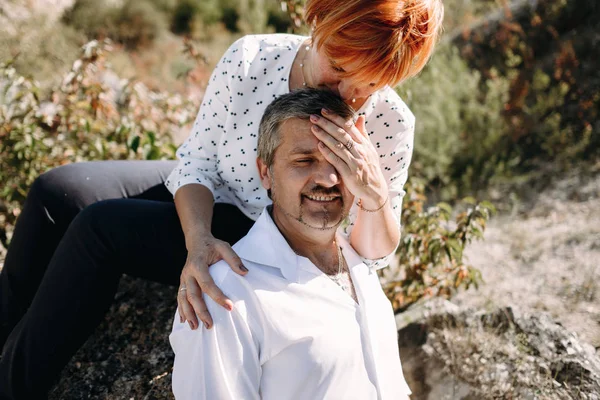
pixel 264 172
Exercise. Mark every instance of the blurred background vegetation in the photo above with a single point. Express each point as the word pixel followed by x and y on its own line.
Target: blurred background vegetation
pixel 509 100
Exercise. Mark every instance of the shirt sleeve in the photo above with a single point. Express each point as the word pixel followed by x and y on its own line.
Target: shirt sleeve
pixel 198 155
pixel 218 363
pixel 391 128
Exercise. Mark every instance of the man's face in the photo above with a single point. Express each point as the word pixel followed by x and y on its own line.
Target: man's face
pixel 305 187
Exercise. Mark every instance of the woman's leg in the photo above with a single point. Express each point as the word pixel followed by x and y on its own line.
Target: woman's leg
pixel 54 199
pixel 138 237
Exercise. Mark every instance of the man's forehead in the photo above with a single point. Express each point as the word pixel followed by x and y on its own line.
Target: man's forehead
pixel 297 136
pixel 296 124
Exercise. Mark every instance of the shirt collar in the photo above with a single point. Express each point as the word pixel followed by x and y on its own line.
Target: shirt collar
pixel 264 244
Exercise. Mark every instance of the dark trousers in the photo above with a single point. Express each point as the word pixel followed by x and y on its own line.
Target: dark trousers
pixel 82 226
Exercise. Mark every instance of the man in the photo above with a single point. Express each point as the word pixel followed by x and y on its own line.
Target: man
pixel 310 320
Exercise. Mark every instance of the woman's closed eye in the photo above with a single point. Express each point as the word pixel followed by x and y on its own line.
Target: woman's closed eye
pixel 334 66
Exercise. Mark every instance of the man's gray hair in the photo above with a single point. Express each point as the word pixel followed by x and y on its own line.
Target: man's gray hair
pixel 296 104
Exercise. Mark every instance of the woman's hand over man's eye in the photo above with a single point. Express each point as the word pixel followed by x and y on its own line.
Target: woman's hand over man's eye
pixel 346 145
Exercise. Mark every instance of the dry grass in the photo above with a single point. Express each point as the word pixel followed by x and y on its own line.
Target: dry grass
pixel 546 258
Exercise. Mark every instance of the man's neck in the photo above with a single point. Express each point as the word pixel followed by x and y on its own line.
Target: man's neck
pixel 315 244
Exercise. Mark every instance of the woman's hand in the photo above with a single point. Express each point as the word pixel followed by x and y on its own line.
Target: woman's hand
pixel 346 145
pixel 196 279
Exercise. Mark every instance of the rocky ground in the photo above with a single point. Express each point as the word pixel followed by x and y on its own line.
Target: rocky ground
pixel 450 352
pixel 129 356
pixel 529 332
pixel 546 257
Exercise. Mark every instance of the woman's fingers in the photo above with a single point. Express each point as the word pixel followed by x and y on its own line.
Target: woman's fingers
pixel 347 125
pixel 194 297
pixel 231 258
pixel 208 286
pixel 335 146
pixel 340 165
pixel 360 126
pixel 337 132
pixel 186 311
pixel 196 280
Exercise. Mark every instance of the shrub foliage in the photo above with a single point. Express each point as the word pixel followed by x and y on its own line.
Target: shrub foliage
pixel 431 249
pixel 93 115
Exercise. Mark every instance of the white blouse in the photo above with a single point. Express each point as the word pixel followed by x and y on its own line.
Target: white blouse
pixel 220 152
pixel 293 333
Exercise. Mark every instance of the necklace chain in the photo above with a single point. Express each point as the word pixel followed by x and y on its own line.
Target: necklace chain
pixel 303 63
pixel 337 277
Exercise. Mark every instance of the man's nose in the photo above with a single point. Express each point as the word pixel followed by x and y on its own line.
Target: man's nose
pixel 326 175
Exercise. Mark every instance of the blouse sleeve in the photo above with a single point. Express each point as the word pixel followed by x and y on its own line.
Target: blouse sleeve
pixel 391 128
pixel 198 155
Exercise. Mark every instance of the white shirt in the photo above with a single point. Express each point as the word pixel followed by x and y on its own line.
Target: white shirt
pixel 220 152
pixel 293 332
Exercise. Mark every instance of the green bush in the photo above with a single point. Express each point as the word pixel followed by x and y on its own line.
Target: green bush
pixel 459 123
pixel 91 116
pixel 237 16
pixel 136 23
pixel 88 118
pixel 430 255
pixel 34 55
pixel 549 56
pixel 164 6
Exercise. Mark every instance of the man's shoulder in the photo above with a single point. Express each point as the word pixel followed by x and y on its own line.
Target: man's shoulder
pixel 243 287
pixel 221 272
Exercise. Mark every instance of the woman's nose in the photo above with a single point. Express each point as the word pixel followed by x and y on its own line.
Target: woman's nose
pixel 346 91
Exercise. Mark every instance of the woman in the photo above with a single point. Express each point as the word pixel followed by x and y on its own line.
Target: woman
pixel 63 267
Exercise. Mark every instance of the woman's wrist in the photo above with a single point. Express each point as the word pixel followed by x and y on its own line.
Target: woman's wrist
pixel 196 237
pixel 373 203
pixel 367 208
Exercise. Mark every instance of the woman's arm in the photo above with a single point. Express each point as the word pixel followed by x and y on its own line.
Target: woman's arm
pixel 375 234
pixel 375 177
pixel 194 204
pixel 193 184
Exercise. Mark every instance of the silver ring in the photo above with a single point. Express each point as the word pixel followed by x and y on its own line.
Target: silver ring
pixel 350 144
pixel 182 289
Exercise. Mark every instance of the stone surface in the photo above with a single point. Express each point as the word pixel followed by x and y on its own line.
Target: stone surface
pixel 129 356
pixel 470 354
pixel 447 353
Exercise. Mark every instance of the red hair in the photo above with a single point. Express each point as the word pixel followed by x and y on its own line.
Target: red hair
pixel 391 39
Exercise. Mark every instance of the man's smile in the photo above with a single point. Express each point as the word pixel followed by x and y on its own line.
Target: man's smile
pixel 323 199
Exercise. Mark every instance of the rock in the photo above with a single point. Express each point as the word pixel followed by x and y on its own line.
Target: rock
pixel 129 355
pixel 422 310
pixel 469 354
pixel 447 352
